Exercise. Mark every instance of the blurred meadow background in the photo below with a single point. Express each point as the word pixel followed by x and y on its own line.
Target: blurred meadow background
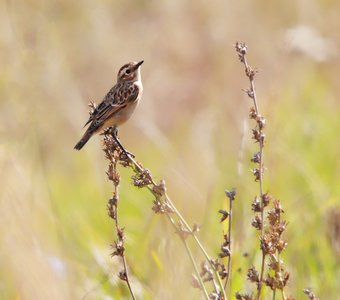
pixel 191 129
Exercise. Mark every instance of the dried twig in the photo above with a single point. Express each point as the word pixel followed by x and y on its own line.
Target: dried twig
pixel 164 205
pixel 271 242
pixel 112 155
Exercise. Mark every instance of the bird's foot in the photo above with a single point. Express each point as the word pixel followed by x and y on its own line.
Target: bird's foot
pixel 114 133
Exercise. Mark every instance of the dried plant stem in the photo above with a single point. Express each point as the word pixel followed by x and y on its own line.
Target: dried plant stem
pixel 163 204
pixel 251 92
pixel 271 242
pixel 127 279
pixel 229 241
pixel 119 247
pixel 125 275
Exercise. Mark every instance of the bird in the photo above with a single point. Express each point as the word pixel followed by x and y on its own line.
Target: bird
pixel 118 104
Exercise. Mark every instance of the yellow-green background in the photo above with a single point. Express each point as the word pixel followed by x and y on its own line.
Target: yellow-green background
pixel 191 129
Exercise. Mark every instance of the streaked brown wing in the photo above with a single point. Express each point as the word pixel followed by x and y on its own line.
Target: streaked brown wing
pixel 121 93
pixel 109 112
pixel 116 99
pixel 100 109
pixel 110 98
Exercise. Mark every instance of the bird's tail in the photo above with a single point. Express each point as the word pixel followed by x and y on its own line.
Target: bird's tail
pixel 83 141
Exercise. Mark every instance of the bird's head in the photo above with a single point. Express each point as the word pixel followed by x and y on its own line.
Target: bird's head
pixel 129 72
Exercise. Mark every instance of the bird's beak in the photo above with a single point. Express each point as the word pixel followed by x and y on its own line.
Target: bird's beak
pixel 138 64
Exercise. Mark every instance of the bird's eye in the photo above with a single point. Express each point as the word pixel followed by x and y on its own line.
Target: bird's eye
pixel 128 71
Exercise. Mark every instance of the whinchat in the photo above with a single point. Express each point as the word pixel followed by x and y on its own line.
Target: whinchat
pixel 118 104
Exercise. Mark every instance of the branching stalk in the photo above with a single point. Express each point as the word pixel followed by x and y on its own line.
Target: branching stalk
pixel 163 204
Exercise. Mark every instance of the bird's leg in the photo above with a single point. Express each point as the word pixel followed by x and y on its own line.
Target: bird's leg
pixel 114 133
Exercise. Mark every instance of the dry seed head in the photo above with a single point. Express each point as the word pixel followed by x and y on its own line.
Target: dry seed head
pixel 225 215
pixel 253 275
pixel 256 158
pixel 265 199
pixel 257 222
pixel 256 205
pixel 231 194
